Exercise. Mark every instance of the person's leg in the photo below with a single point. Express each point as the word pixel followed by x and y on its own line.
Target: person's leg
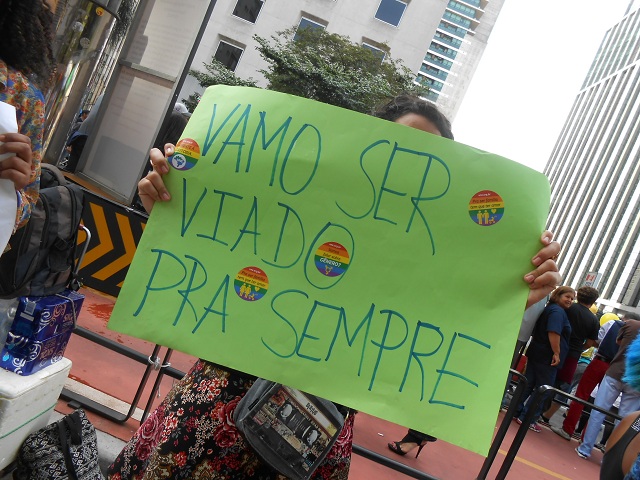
pixel 591 377
pixel 629 402
pixel 546 376
pixel 564 378
pixel 608 428
pixel 420 437
pixel 584 418
pixel 608 391
pixel 552 408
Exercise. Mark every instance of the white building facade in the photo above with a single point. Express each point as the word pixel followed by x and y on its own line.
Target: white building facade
pixel 441 40
pixel 594 172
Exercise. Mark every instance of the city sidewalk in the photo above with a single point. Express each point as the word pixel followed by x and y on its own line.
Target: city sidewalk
pixel 112 379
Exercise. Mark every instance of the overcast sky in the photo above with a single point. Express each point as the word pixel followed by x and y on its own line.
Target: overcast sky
pixel 534 65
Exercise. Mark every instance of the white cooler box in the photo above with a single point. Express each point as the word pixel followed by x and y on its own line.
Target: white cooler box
pixel 26 404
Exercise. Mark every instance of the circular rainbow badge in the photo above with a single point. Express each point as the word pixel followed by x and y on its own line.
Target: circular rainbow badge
pixel 186 155
pixel 251 284
pixel 486 208
pixel 332 259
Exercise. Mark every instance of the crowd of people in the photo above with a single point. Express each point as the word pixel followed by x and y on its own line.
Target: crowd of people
pixel 569 332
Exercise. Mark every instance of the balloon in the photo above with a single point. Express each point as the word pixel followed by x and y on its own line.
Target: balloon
pixel 608 317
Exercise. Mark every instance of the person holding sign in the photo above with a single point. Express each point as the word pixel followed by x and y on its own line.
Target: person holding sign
pixel 192 431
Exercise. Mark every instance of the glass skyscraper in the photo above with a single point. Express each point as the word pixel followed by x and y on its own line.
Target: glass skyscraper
pixel 594 172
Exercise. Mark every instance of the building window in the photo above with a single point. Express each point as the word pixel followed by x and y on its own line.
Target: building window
pixel 457 20
pixel 391 11
pixel 307 23
pixel 378 52
pixel 248 9
pixel 469 12
pixel 449 40
pixel 429 83
pixel 229 55
pixel 441 62
pixel 460 32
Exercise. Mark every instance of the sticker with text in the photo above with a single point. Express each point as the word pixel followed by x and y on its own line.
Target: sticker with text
pixel 186 154
pixel 332 259
pixel 486 208
pixel 251 284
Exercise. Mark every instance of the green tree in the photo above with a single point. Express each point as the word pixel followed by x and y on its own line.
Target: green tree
pixel 216 74
pixel 323 66
pixel 330 68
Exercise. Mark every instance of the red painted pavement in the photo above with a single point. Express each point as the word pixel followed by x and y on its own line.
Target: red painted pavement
pixel 542 456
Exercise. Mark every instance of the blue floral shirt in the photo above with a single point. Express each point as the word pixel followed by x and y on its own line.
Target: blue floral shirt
pixel 16 90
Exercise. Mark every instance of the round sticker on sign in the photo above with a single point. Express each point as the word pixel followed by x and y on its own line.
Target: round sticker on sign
pixel 186 154
pixel 486 208
pixel 251 284
pixel 332 259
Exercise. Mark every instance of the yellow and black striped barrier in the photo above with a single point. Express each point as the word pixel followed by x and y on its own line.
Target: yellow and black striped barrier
pixel 115 232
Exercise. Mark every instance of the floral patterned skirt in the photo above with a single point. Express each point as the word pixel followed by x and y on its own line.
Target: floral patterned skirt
pixel 192 435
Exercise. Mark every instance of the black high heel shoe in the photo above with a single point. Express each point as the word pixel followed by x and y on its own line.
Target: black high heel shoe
pixel 396 447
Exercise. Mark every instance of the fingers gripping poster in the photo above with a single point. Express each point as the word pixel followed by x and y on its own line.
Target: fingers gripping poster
pixel 363 261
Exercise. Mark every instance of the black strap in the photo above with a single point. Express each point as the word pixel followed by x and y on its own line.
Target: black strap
pixel 71 471
pixel 74 424
pixel 75 322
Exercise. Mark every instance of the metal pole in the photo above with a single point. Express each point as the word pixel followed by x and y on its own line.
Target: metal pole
pixel 504 426
pixel 156 385
pixel 538 397
pixel 393 464
pixel 151 361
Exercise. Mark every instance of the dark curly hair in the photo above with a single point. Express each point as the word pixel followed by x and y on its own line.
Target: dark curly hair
pixel 406 103
pixel 587 295
pixel 26 38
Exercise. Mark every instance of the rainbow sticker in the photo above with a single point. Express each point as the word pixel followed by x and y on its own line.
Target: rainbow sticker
pixel 186 155
pixel 486 208
pixel 251 284
pixel 332 259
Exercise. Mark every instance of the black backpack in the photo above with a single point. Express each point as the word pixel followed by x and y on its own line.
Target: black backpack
pixel 42 256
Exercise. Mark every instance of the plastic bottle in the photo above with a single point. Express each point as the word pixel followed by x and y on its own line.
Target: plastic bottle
pixel 8 309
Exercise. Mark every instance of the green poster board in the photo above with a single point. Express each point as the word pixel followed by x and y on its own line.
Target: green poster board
pixel 367 262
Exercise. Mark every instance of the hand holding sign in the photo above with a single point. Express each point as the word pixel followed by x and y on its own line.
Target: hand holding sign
pixel 8 147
